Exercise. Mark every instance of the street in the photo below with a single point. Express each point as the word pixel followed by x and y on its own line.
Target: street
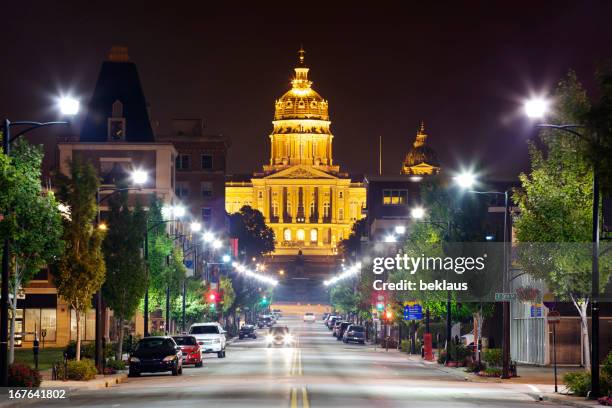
pixel 319 372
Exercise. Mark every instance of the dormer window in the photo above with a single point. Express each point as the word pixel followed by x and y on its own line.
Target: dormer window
pixel 116 123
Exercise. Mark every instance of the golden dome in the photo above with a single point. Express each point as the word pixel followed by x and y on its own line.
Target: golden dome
pixel 421 159
pixel 301 101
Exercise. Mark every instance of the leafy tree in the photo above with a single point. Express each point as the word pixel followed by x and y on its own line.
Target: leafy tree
pixel 34 221
pixel 225 285
pixel 343 297
pixel 195 307
pixel 125 273
pixel 255 238
pixel 81 269
pixel 351 246
pixel 554 222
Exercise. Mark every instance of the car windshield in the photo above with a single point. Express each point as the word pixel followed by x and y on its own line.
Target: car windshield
pixel 204 330
pixel 185 341
pixel 153 343
pixel 358 329
pixel 279 330
pixel 309 314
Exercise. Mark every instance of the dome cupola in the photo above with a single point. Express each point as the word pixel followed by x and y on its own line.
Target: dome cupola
pixel 421 159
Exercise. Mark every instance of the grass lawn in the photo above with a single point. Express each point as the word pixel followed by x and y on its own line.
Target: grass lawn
pixel 46 357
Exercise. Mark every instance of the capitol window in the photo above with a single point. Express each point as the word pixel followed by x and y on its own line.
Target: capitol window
pixel 341 214
pixel 275 209
pixel 326 209
pixel 287 234
pixel 340 194
pixel 300 235
pixel 314 234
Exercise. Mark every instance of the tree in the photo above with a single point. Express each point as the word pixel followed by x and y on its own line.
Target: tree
pixel 343 298
pixel 555 203
pixel 351 246
pixel 81 269
pixel 255 238
pixel 34 222
pixel 125 283
pixel 195 307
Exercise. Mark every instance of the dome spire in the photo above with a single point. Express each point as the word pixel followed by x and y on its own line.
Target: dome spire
pixel 421 136
pixel 301 54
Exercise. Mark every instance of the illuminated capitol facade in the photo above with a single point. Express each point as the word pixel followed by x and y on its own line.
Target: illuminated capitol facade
pixel 302 194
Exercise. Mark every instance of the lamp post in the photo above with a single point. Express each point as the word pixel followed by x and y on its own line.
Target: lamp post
pixel 138 177
pixel 418 213
pixel 537 109
pixel 466 181
pixel 68 106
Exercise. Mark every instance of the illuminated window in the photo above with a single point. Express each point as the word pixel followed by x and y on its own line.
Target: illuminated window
pixel 312 207
pixel 326 209
pixel 313 235
pixel 289 208
pixel 275 209
pixel 395 197
pixel 341 195
pixel 340 214
pixel 287 234
pixel 300 235
pixel 313 104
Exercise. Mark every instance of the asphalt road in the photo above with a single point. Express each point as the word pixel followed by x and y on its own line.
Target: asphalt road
pixel 318 372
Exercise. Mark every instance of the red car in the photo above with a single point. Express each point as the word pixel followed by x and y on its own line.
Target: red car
pixel 190 349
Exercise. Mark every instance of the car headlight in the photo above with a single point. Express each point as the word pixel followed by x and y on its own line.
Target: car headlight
pixel 269 338
pixel 216 341
pixel 169 358
pixel 288 338
pixel 134 359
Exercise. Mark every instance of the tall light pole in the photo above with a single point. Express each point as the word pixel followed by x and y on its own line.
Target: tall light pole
pixel 138 177
pixel 67 106
pixel 466 181
pixel 537 109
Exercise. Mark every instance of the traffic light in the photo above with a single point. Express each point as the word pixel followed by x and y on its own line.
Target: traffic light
pixel 212 298
pixel 264 300
pixel 380 306
pixel 388 315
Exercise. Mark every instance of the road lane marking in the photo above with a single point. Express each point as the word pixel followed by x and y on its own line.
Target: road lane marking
pixel 293 403
pixel 305 403
pixel 299 361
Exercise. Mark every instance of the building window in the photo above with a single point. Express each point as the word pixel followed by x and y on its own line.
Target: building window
pixel 312 207
pixel 289 208
pixel 341 195
pixel 395 197
pixel 182 189
pixel 353 211
pixel 207 189
pixel 206 214
pixel 40 319
pixel 275 209
pixel 260 195
pixel 340 214
pixel 326 209
pixel 300 235
pixel 207 162
pixel 116 129
pixel 182 162
pixel 314 235
pixel 87 325
pixel 287 234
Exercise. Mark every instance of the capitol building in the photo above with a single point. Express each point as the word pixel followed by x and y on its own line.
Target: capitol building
pixel 305 198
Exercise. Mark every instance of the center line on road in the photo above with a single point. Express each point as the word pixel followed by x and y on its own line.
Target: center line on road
pixel 305 403
pixel 293 403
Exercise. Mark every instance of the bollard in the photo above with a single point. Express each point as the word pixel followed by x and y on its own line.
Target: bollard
pixel 35 351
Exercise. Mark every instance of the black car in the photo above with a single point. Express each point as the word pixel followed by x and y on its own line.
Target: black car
pixel 265 322
pixel 156 354
pixel 341 329
pixel 354 333
pixel 248 330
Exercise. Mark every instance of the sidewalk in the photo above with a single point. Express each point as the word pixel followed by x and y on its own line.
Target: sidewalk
pixel 101 381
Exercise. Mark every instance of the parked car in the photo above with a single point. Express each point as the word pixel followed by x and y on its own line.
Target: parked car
pixel 309 317
pixel 336 327
pixel 210 337
pixel 279 336
pixel 247 330
pixel 325 317
pixel 265 321
pixel 192 353
pixel 156 354
pixel 354 333
pixel 341 329
pixel 277 313
pixel 332 321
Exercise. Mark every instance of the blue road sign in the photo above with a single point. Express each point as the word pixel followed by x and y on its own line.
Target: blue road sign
pixel 413 312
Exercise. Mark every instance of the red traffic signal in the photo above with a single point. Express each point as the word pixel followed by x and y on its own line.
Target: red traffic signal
pixel 388 315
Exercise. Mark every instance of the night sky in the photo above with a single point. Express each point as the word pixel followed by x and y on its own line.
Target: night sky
pixel 462 67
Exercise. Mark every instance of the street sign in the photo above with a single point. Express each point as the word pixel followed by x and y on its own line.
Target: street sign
pixel 536 310
pixel 413 312
pixel 554 317
pixel 505 297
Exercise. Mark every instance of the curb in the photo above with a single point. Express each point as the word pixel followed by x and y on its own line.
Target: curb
pixel 102 382
pixel 569 401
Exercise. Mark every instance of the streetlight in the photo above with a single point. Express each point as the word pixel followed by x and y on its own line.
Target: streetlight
pixel 217 244
pixel 466 180
pixel 7 139
pixel 195 226
pixel 208 237
pixel 68 105
pixel 138 177
pixel 571 129
pixel 417 213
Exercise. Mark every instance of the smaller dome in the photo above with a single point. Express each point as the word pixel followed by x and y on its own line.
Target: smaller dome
pixel 421 159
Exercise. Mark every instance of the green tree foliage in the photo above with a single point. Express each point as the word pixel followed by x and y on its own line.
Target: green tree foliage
pixel 81 269
pixel 225 285
pixel 34 221
pixel 195 307
pixel 125 272
pixel 343 298
pixel 555 202
pixel 350 247
pixel 255 238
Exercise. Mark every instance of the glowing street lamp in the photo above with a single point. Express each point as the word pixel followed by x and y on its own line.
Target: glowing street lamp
pixel 400 229
pixel 465 180
pixel 217 244
pixel 390 238
pixel 68 105
pixel 208 237
pixel 139 176
pixel 417 213
pixel 195 226
pixel 536 108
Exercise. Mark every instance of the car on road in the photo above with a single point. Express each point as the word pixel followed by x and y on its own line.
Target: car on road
pixel 325 317
pixel 265 321
pixel 336 327
pixel 332 321
pixel 277 313
pixel 247 330
pixel 156 354
pixel 192 353
pixel 210 337
pixel 279 336
pixel 309 317
pixel 354 333
pixel 341 329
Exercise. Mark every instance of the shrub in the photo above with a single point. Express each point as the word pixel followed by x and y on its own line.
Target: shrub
pixel 578 382
pixel 442 357
pixel 88 350
pixel 405 345
pixel 606 366
pixel 21 375
pixel 115 364
pixel 491 372
pixel 83 370
pixel 459 352
pixel 475 366
pixel 493 357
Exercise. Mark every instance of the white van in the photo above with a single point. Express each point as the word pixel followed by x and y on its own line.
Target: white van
pixel 210 337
